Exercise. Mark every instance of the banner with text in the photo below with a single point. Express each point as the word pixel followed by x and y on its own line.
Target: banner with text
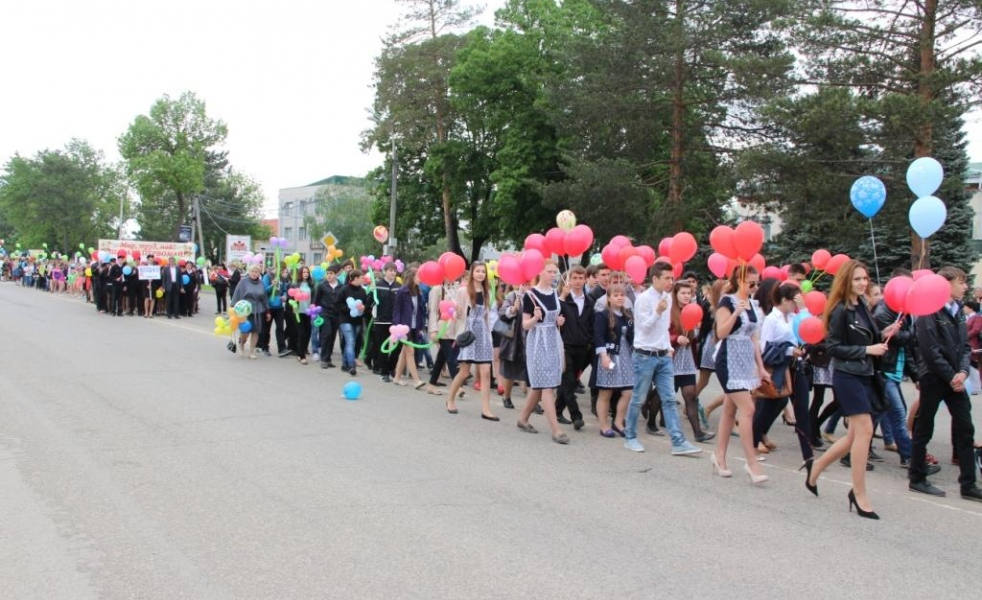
pixel 237 246
pixel 146 248
pixel 150 273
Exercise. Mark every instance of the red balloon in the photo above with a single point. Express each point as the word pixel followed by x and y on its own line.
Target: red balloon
pixel 555 241
pixel 624 253
pixel 510 269
pixel 835 263
pixel 610 256
pixel 820 258
pixel 578 240
pixel 620 240
pixel 771 272
pixel 811 330
pixel 532 263
pixel 895 293
pixel 430 273
pixel 453 265
pixel 647 253
pixel 757 261
pixel 721 239
pixel 815 302
pixel 536 241
pixel 121 253
pixel 928 295
pixel 748 237
pixel 665 247
pixel 635 268
pixel 95 255
pixel 684 247
pixel 663 259
pixel 135 254
pixel 718 264
pixel 182 262
pixel 677 270
pixel 921 273
pixel 691 316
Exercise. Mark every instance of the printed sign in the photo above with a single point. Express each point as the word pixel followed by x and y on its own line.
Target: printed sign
pixel 237 246
pixel 329 239
pixel 146 248
pixel 149 272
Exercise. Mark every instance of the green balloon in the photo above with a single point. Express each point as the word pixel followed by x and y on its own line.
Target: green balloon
pixel 806 286
pixel 201 261
pixel 596 259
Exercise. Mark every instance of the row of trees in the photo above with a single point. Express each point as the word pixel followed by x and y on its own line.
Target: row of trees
pixel 650 116
pixel 171 156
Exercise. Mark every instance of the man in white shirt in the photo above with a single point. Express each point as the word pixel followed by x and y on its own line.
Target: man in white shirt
pixel 653 360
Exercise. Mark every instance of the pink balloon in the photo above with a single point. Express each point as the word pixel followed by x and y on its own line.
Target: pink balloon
pixel 453 265
pixel 684 247
pixel 448 310
pixel 758 262
pixel 663 259
pixel 718 264
pixel 820 258
pixel 620 240
pixel 647 253
pixel 721 239
pixel 748 237
pixel 928 295
pixel 895 293
pixel 578 240
pixel 555 241
pixel 430 273
pixel 635 268
pixel 532 263
pixel 536 241
pixel 625 252
pixel 665 247
pixel 919 273
pixel 510 269
pixel 771 272
pixel 611 258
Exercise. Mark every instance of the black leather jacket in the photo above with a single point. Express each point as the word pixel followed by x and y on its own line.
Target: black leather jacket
pixel 847 339
pixel 904 338
pixel 943 344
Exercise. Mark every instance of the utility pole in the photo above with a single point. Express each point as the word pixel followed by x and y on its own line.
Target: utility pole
pixel 392 203
pixel 197 221
pixel 119 231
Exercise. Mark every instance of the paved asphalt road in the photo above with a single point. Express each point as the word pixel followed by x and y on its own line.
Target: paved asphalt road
pixel 140 459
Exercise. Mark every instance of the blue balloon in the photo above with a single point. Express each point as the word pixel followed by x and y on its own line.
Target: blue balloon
pixel 927 215
pixel 796 322
pixel 127 270
pixel 317 273
pixel 868 195
pixel 185 279
pixel 245 326
pixel 353 309
pixel 352 390
pixel 924 176
pixel 275 302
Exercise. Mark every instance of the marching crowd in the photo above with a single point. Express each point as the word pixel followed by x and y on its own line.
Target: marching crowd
pixel 639 356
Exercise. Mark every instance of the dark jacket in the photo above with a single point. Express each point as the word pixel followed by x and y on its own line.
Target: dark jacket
pixel 326 297
pixel 578 328
pixel 603 337
pixel 165 279
pixel 358 293
pixel 942 341
pixel 402 312
pixel 386 294
pixel 847 339
pixel 904 338
pixel 512 348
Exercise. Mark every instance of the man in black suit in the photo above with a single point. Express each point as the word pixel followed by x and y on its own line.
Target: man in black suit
pixel 942 339
pixel 170 278
pixel 115 279
pixel 577 332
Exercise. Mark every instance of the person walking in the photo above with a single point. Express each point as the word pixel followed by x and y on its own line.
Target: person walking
pixel 474 301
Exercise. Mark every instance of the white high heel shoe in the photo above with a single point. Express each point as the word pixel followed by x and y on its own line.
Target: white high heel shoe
pixel 755 479
pixel 718 470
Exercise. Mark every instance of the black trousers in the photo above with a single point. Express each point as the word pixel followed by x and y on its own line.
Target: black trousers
pixel 447 355
pixel 115 299
pixel 933 392
pixel 301 336
pixel 329 332
pixel 577 360
pixel 133 296
pixel 375 359
pixel 221 298
pixel 173 297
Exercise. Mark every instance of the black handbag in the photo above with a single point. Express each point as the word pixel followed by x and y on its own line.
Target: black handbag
pixel 465 339
pixel 504 328
pixel 879 402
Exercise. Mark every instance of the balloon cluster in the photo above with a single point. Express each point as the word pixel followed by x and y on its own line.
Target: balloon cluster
pixel 277 242
pixel 334 253
pixel 356 308
pixel 398 332
pixel 253 259
pixel 449 267
pixel 369 263
pixel 448 310
pixel 928 213
pixel 923 294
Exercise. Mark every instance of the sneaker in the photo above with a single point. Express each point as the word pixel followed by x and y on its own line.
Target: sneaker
pixel 386 379
pixel 874 456
pixel 925 487
pixel 324 365
pixel 705 437
pixel 331 365
pixel 685 449
pixel 972 493
pixel 317 356
pixel 285 352
pixel 267 353
pixel 634 445
pixel 577 424
pixel 354 372
pixel 507 403
pixel 563 420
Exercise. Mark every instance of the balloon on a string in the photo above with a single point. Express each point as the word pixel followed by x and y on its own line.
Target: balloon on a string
pixel 811 330
pixel 566 220
pixel 748 237
pixel 684 247
pixel 620 240
pixel 927 215
pixel 820 258
pixel 535 241
pixel 532 263
pixel 919 273
pixel 555 241
pixel 453 265
pixel 578 240
pixel 665 246
pixel 718 264
pixel 510 269
pixel 895 293
pixel 928 295
pixel 835 263
pixel 430 273
pixel 868 194
pixel 757 262
pixel 636 268
pixel 647 253
pixel 924 176
pixel 691 316
pixel 610 257
pixel 721 239
pixel 815 302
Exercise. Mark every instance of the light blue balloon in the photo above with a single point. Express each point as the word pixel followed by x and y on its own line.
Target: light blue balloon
pixel 796 323
pixel 924 176
pixel 868 195
pixel 317 273
pixel 185 279
pixel 127 270
pixel 927 215
pixel 352 390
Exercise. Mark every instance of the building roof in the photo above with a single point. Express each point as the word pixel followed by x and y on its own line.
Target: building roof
pixel 337 180
pixel 973 174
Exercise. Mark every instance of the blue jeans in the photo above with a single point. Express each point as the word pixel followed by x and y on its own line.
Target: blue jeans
pixel 350 334
pixel 895 419
pixel 657 370
pixel 315 337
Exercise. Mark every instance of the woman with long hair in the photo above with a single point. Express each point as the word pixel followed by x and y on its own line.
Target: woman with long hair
pixel 409 310
pixel 613 339
pixel 684 342
pixel 474 301
pixel 541 319
pixel 512 347
pixel 853 339
pixel 707 364
pixel 301 320
pixel 739 368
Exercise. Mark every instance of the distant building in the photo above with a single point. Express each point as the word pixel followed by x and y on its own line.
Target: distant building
pixel 973 183
pixel 297 203
pixel 274 226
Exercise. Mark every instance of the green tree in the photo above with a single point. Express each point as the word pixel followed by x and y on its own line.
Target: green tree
pixel 168 154
pixel 231 203
pixel 344 208
pixel 62 197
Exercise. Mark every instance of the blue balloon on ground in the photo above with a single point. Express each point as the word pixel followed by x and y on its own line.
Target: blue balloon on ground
pixel 185 279
pixel 127 270
pixel 924 176
pixel 927 215
pixel 352 390
pixel 868 195
pixel 245 326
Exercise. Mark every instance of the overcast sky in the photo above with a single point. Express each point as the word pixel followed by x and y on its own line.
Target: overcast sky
pixel 291 79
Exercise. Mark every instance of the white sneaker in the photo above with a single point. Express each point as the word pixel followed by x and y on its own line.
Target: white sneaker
pixel 634 445
pixel 316 356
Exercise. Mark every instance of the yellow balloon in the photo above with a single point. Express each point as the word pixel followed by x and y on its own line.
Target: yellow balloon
pixel 159 293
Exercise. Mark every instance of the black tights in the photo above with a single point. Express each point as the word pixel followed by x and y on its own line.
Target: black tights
pixel 692 409
pixel 818 398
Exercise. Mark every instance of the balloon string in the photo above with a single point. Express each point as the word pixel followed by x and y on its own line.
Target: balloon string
pixel 389 345
pixel 876 261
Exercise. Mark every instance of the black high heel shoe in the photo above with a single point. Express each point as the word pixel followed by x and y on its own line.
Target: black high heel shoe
pixel 807 465
pixel 868 514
